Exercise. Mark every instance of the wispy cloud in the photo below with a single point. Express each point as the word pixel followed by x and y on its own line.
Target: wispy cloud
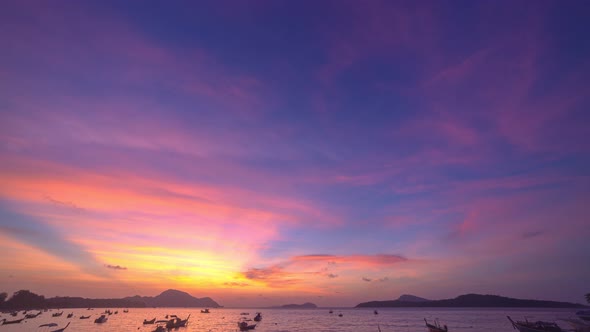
pixel 275 277
pixel 301 269
pixel 528 235
pixel 356 260
pixel 115 267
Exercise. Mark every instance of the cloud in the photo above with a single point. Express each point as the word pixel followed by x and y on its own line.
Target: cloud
pixel 367 279
pixel 68 205
pixel 264 273
pixel 354 260
pixel 274 276
pixel 529 235
pixel 115 267
pixel 384 279
pixel 303 268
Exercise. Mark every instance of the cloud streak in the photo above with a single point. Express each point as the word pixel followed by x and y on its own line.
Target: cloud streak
pixel 115 267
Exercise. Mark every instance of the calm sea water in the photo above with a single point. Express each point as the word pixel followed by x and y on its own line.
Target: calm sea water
pixel 284 320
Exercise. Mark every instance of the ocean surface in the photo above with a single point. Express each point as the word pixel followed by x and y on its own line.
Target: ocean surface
pixel 288 320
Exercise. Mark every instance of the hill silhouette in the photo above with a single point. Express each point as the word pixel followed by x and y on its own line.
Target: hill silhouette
pixel 471 300
pixel 307 305
pixel 25 299
pixel 175 298
pixel 411 298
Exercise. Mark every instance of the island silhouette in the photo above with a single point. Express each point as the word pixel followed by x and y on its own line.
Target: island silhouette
pixel 25 299
pixel 467 301
pixel 306 305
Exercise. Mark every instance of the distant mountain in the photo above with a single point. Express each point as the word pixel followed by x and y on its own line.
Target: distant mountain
pixel 307 305
pixel 470 300
pixel 411 298
pixel 25 299
pixel 79 302
pixel 174 298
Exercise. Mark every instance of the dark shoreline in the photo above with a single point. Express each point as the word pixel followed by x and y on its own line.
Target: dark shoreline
pixel 471 301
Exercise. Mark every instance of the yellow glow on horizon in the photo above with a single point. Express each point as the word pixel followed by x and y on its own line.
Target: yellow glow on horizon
pixel 156 234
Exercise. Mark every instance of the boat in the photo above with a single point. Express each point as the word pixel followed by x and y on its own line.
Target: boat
pixel 578 325
pixel 145 321
pixel 84 317
pixel 6 322
pixel 177 322
pixel 244 313
pixel 245 327
pixel 583 315
pixel 101 319
pixel 70 315
pixel 206 311
pixel 126 311
pixel 258 317
pixel 331 311
pixel 48 325
pixel 538 326
pixel 62 329
pixel 29 316
pixel 375 312
pixel 57 314
pixel 436 327
pixel 340 315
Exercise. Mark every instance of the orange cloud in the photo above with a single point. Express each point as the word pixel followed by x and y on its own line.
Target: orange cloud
pixel 355 260
pixel 118 217
pixel 302 271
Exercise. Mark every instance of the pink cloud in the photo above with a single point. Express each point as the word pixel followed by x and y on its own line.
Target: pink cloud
pixel 399 172
pixel 358 261
pixel 137 60
pixel 498 85
pixel 483 229
pixel 215 219
pixel 376 29
pixel 536 124
pixel 302 270
pixel 373 31
pixel 492 216
pixel 441 125
pixel 457 73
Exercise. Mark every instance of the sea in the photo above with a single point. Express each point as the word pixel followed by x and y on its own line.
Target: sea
pixel 291 320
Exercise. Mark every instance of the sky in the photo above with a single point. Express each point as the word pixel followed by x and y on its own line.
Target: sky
pixel 271 152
